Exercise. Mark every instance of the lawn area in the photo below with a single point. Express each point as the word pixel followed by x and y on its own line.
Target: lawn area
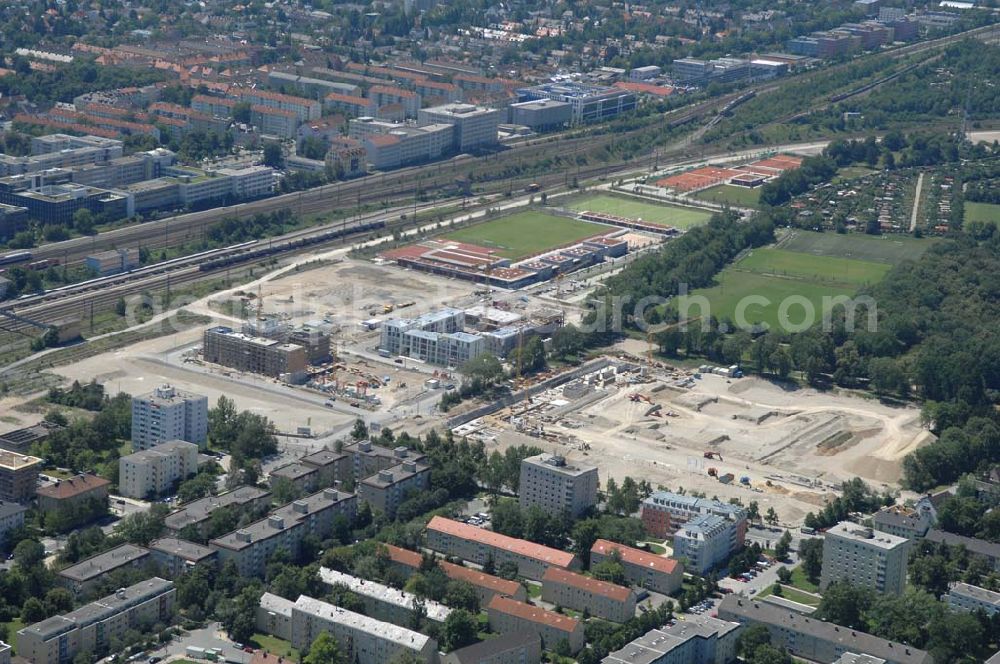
pixel 851 173
pixel 526 233
pixel 800 581
pixel 734 285
pixel 891 249
pixel 791 594
pixel 534 590
pixel 275 646
pixel 658 549
pixel 732 195
pixel 636 208
pixel 985 212
pixel 777 274
pixel 12 628
pixel 818 269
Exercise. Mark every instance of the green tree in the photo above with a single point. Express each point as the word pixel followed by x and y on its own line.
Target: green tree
pixel 846 604
pixel 811 553
pixel 325 650
pixel 241 112
pixel 273 155
pixel 459 630
pixel 360 430
pixel 783 546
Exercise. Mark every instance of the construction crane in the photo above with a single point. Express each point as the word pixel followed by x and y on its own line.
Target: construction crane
pixel 712 454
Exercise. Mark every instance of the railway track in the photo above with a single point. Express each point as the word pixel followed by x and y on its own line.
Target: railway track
pixel 384 189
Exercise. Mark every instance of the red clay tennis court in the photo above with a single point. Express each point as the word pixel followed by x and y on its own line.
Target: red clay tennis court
pixel 708 176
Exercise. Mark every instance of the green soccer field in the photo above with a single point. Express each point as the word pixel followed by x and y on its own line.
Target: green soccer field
pixel 727 194
pixel 634 208
pixel 735 285
pixel 891 249
pixel 816 269
pixel 527 233
pixel 985 212
pixel 777 275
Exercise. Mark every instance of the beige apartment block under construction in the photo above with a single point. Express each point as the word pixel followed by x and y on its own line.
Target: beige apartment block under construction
pixel 268 357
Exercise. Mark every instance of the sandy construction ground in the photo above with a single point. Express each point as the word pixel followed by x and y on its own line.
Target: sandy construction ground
pixel 795 446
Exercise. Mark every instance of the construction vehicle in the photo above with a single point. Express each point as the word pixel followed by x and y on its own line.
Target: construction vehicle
pixel 713 472
pixel 727 478
pixel 745 480
pixel 387 308
pixel 712 454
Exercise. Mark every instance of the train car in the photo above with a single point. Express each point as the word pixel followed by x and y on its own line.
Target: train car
pixel 15 257
pixel 43 264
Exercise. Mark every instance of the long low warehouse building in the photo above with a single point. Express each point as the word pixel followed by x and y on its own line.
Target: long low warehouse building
pixel 479 545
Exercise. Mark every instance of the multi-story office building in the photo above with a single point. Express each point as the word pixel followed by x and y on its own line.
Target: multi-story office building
pixel 511 648
pixel 815 640
pixel 444 349
pixel 865 557
pixel 643 569
pixel 487 586
pixel 477 545
pixel 167 413
pixel 695 640
pixel 583 593
pixel 62 151
pixel 383 602
pixel 444 321
pixel 176 556
pixel 367 458
pixel 269 357
pixel 93 627
pixel 155 471
pixel 475 126
pixel 507 615
pixel 197 513
pixel 11 517
pixel 88 574
pixel 387 489
pixel 64 494
pixel 664 512
pixel 51 198
pixel 966 597
pixel 18 476
pixel 402 145
pixel 691 71
pixel 251 547
pixel 590 103
pixel 705 542
pixel 367 640
pixel 557 487
pixel 542 114
pixel 249 182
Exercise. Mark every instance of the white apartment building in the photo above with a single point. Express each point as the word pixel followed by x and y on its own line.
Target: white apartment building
pixel 155 471
pixel 554 485
pixel 95 626
pixel 250 182
pixel 167 413
pixel 368 641
pixel 864 557
pixel 384 602
pixel 966 597
pixel 475 126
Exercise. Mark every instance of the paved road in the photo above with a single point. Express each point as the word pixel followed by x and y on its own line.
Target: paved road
pixel 209 637
pixel 916 203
